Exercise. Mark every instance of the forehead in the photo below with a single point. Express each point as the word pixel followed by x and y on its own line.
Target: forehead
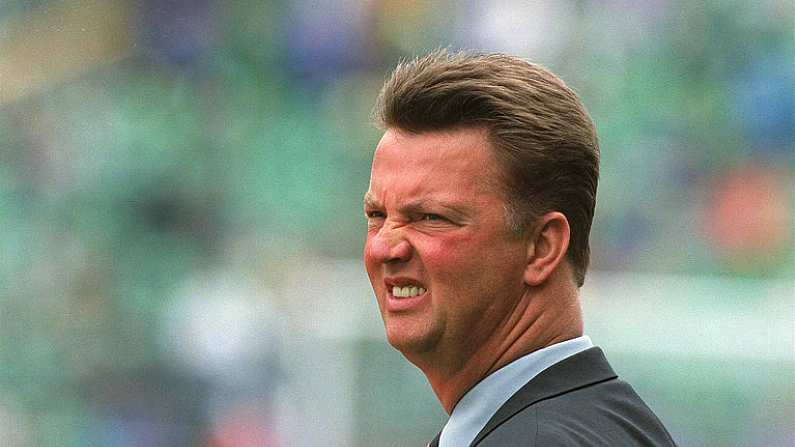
pixel 440 163
pixel 437 143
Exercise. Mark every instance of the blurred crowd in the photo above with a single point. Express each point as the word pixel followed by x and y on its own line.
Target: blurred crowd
pixel 165 165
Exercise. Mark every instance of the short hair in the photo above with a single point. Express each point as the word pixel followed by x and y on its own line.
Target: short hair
pixel 541 134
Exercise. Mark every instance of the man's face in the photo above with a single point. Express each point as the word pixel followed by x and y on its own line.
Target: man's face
pixel 437 233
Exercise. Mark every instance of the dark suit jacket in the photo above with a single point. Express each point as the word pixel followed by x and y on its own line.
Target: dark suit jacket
pixel 577 402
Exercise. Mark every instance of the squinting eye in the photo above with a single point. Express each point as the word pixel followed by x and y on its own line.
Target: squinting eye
pixel 374 214
pixel 432 217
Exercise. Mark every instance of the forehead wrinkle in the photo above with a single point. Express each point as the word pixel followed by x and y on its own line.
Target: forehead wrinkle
pixel 438 174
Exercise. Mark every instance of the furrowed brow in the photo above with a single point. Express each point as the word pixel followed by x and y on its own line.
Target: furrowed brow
pixel 420 206
pixel 423 205
pixel 417 205
pixel 370 201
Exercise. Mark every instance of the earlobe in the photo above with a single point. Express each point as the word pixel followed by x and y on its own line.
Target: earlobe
pixel 547 247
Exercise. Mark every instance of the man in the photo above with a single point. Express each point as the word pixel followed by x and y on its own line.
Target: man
pixel 481 198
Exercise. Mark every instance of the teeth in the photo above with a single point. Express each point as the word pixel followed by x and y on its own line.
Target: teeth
pixel 408 291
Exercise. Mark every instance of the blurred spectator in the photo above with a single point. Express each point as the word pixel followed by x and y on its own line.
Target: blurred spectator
pixel 223 330
pixel 749 218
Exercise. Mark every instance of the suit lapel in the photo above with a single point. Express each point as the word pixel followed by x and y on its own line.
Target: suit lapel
pixel 582 369
pixel 435 442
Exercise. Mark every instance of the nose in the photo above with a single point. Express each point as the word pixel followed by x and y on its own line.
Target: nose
pixel 388 246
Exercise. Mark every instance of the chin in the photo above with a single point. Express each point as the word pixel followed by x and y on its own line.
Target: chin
pixel 409 342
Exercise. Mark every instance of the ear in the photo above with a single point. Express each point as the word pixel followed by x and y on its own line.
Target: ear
pixel 546 247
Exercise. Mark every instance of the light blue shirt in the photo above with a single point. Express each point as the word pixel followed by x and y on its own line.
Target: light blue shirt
pixel 480 403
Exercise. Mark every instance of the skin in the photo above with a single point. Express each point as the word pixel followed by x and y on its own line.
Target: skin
pixel 436 220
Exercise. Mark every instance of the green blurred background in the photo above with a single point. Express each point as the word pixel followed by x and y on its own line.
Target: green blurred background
pixel 181 224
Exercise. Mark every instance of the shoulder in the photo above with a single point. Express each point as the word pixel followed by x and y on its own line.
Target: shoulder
pixel 531 427
pixel 605 414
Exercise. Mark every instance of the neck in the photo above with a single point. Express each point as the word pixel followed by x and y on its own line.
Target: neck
pixel 541 318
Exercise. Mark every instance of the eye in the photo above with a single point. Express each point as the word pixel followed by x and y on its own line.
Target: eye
pixel 374 214
pixel 434 221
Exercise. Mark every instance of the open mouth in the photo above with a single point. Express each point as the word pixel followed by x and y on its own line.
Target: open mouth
pixel 407 291
pixel 405 295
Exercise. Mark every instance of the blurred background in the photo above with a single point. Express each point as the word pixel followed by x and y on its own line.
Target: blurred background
pixel 181 225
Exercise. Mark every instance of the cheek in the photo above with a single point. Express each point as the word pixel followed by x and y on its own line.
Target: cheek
pixel 369 262
pixel 472 265
pixel 452 258
pixel 368 252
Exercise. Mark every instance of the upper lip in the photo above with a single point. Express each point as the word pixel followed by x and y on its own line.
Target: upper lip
pixel 402 281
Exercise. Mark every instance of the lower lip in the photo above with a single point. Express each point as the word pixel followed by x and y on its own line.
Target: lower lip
pixel 394 304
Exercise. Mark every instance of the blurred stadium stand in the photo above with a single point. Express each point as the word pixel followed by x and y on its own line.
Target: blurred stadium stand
pixel 180 214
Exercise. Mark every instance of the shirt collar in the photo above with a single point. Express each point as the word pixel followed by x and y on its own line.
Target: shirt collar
pixel 480 403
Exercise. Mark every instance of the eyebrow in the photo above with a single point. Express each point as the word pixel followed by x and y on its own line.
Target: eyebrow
pixel 370 201
pixel 418 205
